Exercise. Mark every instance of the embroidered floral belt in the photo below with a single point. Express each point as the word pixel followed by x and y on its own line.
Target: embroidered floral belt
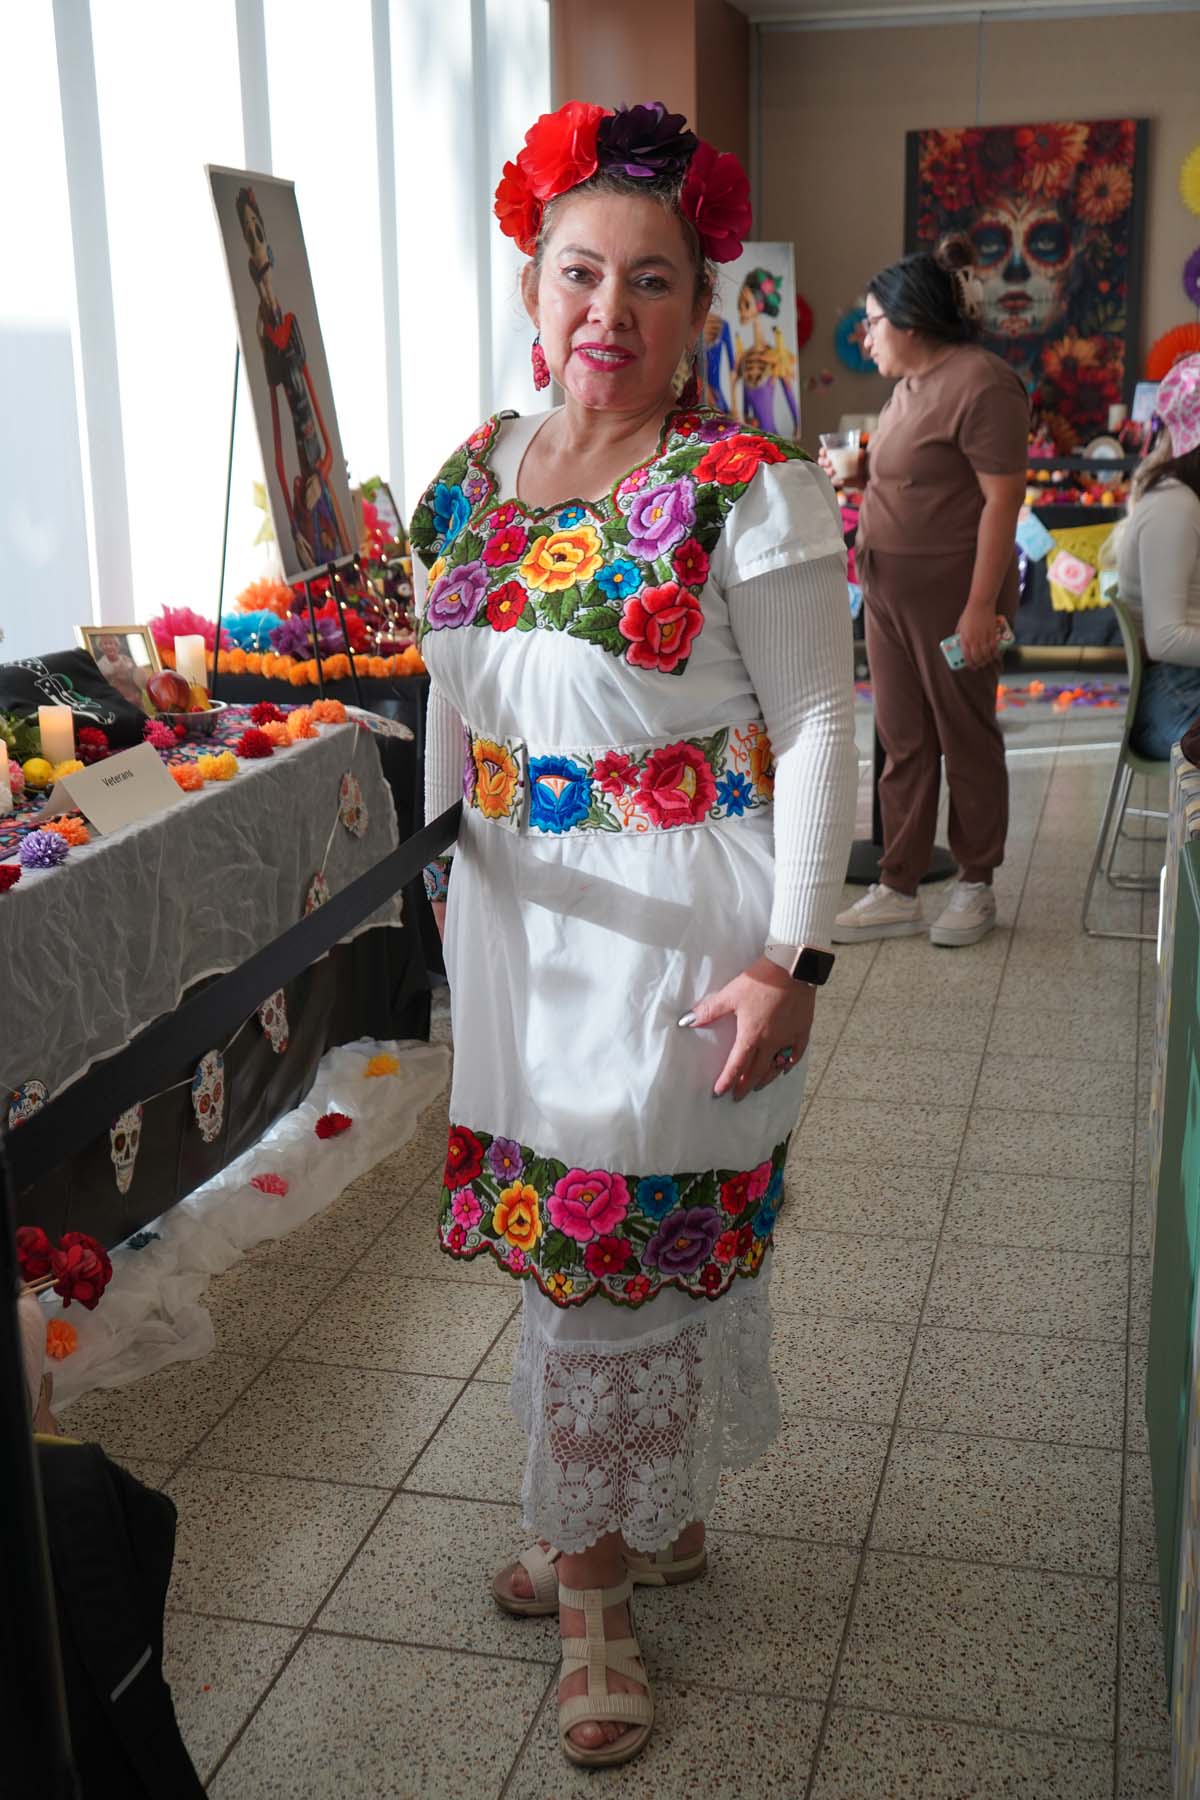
pixel 693 781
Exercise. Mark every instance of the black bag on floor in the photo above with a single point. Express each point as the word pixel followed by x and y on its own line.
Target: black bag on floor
pixel 112 1543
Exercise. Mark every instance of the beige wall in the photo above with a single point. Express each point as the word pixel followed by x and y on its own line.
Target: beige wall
pixel 837 105
pixel 692 54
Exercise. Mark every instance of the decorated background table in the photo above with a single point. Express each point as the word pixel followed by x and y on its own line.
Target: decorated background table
pixel 99 946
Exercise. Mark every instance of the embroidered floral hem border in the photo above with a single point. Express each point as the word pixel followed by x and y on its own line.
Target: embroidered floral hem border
pixel 693 782
pixel 584 1232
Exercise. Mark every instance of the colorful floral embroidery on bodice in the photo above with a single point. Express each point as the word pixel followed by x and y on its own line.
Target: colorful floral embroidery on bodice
pixel 625 573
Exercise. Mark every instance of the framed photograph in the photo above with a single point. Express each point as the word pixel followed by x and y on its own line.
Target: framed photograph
pixel 1056 213
pixel 288 376
pixel 385 527
pixel 126 656
pixel 749 363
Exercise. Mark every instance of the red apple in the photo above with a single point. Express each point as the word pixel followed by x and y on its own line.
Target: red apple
pixel 168 691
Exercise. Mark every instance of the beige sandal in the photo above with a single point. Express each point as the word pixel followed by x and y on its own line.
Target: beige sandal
pixel 598 1654
pixel 661 1569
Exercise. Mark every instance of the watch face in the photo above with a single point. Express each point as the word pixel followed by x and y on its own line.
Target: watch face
pixel 815 966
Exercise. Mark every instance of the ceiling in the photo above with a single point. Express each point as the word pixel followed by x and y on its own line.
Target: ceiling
pixel 850 13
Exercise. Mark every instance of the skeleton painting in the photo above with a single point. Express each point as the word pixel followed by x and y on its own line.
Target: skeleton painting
pixel 1055 215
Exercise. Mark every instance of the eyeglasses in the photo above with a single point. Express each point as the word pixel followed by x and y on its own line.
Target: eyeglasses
pixel 872 322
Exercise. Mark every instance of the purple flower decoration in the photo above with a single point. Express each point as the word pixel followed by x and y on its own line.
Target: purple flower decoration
pixel 683 1241
pixel 505 1159
pixel 1191 278
pixel 645 141
pixel 293 637
pixel 659 518
pixel 42 850
pixel 455 597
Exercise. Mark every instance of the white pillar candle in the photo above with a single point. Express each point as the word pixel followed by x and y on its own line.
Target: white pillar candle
pixel 191 661
pixel 1117 416
pixel 6 799
pixel 58 733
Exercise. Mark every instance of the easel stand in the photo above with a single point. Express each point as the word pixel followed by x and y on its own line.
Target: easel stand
pixel 332 570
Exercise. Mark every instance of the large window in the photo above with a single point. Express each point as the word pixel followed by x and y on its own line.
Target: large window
pixel 392 117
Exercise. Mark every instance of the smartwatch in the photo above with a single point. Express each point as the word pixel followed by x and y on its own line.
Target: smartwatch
pixel 802 963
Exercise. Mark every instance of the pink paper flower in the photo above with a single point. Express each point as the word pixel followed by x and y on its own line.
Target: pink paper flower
pixel 269 1184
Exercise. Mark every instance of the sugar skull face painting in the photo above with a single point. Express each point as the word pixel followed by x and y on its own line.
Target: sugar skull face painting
pixel 1054 213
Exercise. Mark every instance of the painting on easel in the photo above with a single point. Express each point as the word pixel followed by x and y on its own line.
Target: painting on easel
pixel 284 359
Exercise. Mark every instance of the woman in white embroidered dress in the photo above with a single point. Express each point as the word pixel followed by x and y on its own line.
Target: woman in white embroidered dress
pixel 625 597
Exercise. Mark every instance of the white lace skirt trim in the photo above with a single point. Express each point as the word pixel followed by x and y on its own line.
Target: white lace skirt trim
pixel 630 1432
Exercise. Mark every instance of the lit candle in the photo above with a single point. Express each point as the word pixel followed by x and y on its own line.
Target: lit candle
pixel 6 799
pixel 1117 416
pixel 191 661
pixel 58 733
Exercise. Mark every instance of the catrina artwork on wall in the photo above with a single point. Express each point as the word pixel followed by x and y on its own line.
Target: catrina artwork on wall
pixel 1055 213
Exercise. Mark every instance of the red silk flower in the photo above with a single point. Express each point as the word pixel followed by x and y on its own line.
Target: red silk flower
pixel 33 1252
pixel 560 149
pixel 716 198
pixel 518 209
pixel 332 1124
pixel 81 1269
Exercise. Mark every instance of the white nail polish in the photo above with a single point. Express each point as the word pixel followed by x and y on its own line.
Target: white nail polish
pixel 688 1019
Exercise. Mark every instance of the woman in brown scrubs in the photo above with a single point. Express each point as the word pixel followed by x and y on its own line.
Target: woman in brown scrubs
pixel 944 483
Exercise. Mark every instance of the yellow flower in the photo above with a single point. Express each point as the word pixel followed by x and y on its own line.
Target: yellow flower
pixel 383 1065
pixel 762 765
pixel 557 562
pixel 70 767
pixel 559 1286
pixel 218 768
pixel 497 776
pixel 437 570
pixel 1189 180
pixel 517 1218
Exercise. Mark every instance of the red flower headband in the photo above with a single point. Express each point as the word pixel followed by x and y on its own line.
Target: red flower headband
pixel 646 143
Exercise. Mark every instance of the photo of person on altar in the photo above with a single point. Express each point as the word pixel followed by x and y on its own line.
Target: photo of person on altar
pixel 284 359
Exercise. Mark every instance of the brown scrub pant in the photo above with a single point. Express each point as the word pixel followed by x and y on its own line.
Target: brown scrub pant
pixel 924 712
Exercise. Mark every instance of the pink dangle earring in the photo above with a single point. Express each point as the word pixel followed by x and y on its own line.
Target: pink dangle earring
pixel 541 368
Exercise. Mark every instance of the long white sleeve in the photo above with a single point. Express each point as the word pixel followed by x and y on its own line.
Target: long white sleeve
pixel 1164 529
pixel 792 626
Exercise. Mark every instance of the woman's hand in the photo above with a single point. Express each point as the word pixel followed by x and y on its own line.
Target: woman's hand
pixel 439 917
pixel 773 1013
pixel 825 462
pixel 978 636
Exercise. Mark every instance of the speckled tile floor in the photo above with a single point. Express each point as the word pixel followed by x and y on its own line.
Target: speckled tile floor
pixel 940 1581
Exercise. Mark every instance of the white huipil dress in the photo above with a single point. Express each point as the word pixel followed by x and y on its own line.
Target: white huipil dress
pixel 572 953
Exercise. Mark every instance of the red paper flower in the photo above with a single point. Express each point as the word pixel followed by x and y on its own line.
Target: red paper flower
pixel 33 1252
pixel 332 1124
pixel 81 1269
pixel 91 744
pixel 518 209
pixel 716 198
pixel 661 623
pixel 735 459
pixel 560 149
pixel 269 1184
pixel 10 874
pixel 464 1157
pixel 254 743
pixel 267 713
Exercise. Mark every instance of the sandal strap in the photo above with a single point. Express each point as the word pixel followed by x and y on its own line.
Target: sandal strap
pixel 635 1709
pixel 581 1599
pixel 622 1655
pixel 539 1565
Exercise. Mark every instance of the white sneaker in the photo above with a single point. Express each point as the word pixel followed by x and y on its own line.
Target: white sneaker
pixel 969 914
pixel 881 913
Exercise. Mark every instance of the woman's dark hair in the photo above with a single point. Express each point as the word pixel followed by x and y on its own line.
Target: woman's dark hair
pixel 1175 468
pixel 925 293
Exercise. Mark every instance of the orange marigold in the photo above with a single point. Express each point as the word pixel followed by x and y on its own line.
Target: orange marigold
pixel 328 712
pixel 382 1065
pixel 188 776
pixel 73 830
pixel 266 596
pixel 277 731
pixel 299 723
pixel 61 1338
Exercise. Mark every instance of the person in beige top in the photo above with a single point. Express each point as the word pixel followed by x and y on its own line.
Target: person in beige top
pixel 944 482
pixel 1158 563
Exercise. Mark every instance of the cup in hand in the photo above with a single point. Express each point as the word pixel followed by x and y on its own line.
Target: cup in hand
pixel 842 448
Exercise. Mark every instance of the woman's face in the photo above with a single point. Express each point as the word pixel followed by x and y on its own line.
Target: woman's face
pixel 747 306
pixel 615 301
pixel 886 344
pixel 1023 259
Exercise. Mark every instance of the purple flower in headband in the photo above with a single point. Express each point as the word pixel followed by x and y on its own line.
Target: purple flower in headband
pixel 645 141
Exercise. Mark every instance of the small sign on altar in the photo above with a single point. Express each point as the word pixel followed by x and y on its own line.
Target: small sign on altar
pixel 119 791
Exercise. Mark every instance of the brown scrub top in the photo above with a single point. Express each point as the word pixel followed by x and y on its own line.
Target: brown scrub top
pixel 967 416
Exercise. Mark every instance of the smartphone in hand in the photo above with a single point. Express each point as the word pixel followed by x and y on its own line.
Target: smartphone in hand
pixel 952 650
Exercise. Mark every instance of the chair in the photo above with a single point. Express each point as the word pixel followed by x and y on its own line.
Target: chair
pixel 1117 808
